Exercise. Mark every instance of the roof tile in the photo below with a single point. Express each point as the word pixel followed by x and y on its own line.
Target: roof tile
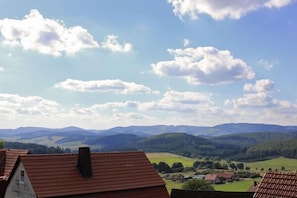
pixel 276 184
pixel 56 175
pixel 8 158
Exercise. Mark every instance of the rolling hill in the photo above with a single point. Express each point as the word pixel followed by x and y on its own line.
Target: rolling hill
pixel 233 141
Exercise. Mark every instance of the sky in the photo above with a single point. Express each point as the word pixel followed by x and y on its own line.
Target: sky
pixel 99 64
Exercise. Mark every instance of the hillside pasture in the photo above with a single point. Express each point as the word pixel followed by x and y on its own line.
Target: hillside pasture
pixel 238 186
pixel 274 164
pixel 170 158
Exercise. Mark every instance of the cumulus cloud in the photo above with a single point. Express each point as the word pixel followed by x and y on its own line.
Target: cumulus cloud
pixel 112 44
pixel 113 106
pixel 253 100
pixel 172 101
pixel 204 65
pixel 264 85
pixel 182 102
pixel 261 97
pixel 32 105
pixel 116 86
pixel 47 36
pixel 222 9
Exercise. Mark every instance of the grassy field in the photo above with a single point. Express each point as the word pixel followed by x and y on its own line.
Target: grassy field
pixel 240 186
pixel 277 163
pixel 172 185
pixel 170 158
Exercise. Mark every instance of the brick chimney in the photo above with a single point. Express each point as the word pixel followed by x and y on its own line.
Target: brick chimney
pixel 84 164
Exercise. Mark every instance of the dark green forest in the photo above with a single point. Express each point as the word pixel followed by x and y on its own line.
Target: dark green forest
pixel 241 147
pixel 35 148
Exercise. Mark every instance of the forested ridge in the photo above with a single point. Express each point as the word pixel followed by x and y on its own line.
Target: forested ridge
pixel 239 146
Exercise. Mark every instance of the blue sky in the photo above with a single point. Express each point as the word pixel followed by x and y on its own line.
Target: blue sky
pixel 99 64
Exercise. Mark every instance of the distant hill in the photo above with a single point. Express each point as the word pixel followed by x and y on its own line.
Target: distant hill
pixel 235 128
pixel 250 139
pixel 233 141
pixel 218 130
pixel 285 148
pixel 182 144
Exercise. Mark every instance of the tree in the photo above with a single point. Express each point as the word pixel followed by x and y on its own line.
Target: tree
pixel 163 167
pixel 177 167
pixel 197 184
pixel 240 166
pixel 217 165
pixel 196 164
pixel 232 165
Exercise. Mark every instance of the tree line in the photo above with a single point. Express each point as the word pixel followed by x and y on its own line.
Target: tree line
pixel 163 167
pixel 35 148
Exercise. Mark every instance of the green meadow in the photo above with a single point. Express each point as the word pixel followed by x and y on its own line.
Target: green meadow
pixel 170 158
pixel 273 164
pixel 238 186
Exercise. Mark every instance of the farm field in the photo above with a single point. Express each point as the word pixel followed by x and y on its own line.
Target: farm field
pixel 172 185
pixel 274 164
pixel 239 186
pixel 170 158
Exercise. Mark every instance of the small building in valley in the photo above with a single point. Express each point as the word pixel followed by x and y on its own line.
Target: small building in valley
pixel 86 175
pixel 277 184
pixel 227 176
pixel 212 178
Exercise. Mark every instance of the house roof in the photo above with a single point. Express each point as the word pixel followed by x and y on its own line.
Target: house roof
pixel 8 158
pixel 58 175
pixel 211 177
pixel 225 175
pixel 276 184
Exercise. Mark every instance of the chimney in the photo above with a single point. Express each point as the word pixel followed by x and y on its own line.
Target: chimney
pixel 84 162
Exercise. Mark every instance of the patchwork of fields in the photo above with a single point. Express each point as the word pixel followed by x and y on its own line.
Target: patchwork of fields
pixel 240 186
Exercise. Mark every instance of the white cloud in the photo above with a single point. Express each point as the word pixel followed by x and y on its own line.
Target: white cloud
pixel 116 86
pixel 261 105
pixel 204 65
pixel 32 105
pixel 112 44
pixel 47 36
pixel 267 64
pixel 277 3
pixel 186 42
pixel 192 108
pixel 253 100
pixel 183 102
pixel 264 85
pixel 1 69
pixel 221 9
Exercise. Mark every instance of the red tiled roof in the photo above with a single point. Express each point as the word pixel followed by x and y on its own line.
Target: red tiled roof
pixel 8 158
pixel 275 184
pixel 211 177
pixel 58 175
pixel 225 175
